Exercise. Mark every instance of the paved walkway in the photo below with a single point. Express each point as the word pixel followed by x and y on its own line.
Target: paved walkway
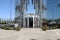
pixel 37 34
pixel 30 34
pixel 8 35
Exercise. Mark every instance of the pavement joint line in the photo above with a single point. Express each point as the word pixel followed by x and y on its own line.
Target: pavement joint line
pixel 57 33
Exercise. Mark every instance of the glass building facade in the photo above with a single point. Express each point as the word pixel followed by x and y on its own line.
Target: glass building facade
pixel 19 16
pixel 53 9
pixel 44 12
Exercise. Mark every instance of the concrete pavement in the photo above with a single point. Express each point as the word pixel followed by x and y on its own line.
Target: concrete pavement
pixel 37 34
pixel 30 34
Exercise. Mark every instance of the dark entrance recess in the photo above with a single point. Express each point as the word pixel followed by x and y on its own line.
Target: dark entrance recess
pixel 31 22
pixel 26 20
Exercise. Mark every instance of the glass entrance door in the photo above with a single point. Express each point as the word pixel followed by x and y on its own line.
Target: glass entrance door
pixel 31 22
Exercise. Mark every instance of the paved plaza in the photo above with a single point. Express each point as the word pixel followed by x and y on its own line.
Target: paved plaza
pixel 30 34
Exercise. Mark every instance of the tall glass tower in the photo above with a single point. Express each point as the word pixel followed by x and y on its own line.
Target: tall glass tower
pixel 20 12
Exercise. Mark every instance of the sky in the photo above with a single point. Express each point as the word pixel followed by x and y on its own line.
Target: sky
pixel 53 11
pixel 5 9
pixel 50 4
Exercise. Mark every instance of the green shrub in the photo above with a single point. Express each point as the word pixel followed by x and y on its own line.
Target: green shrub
pixel 54 27
pixel 44 28
pixel 2 27
pixel 6 28
pixel 10 28
pixel 17 28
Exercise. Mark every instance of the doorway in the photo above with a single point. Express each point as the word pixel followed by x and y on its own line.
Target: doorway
pixel 30 22
pixel 26 22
